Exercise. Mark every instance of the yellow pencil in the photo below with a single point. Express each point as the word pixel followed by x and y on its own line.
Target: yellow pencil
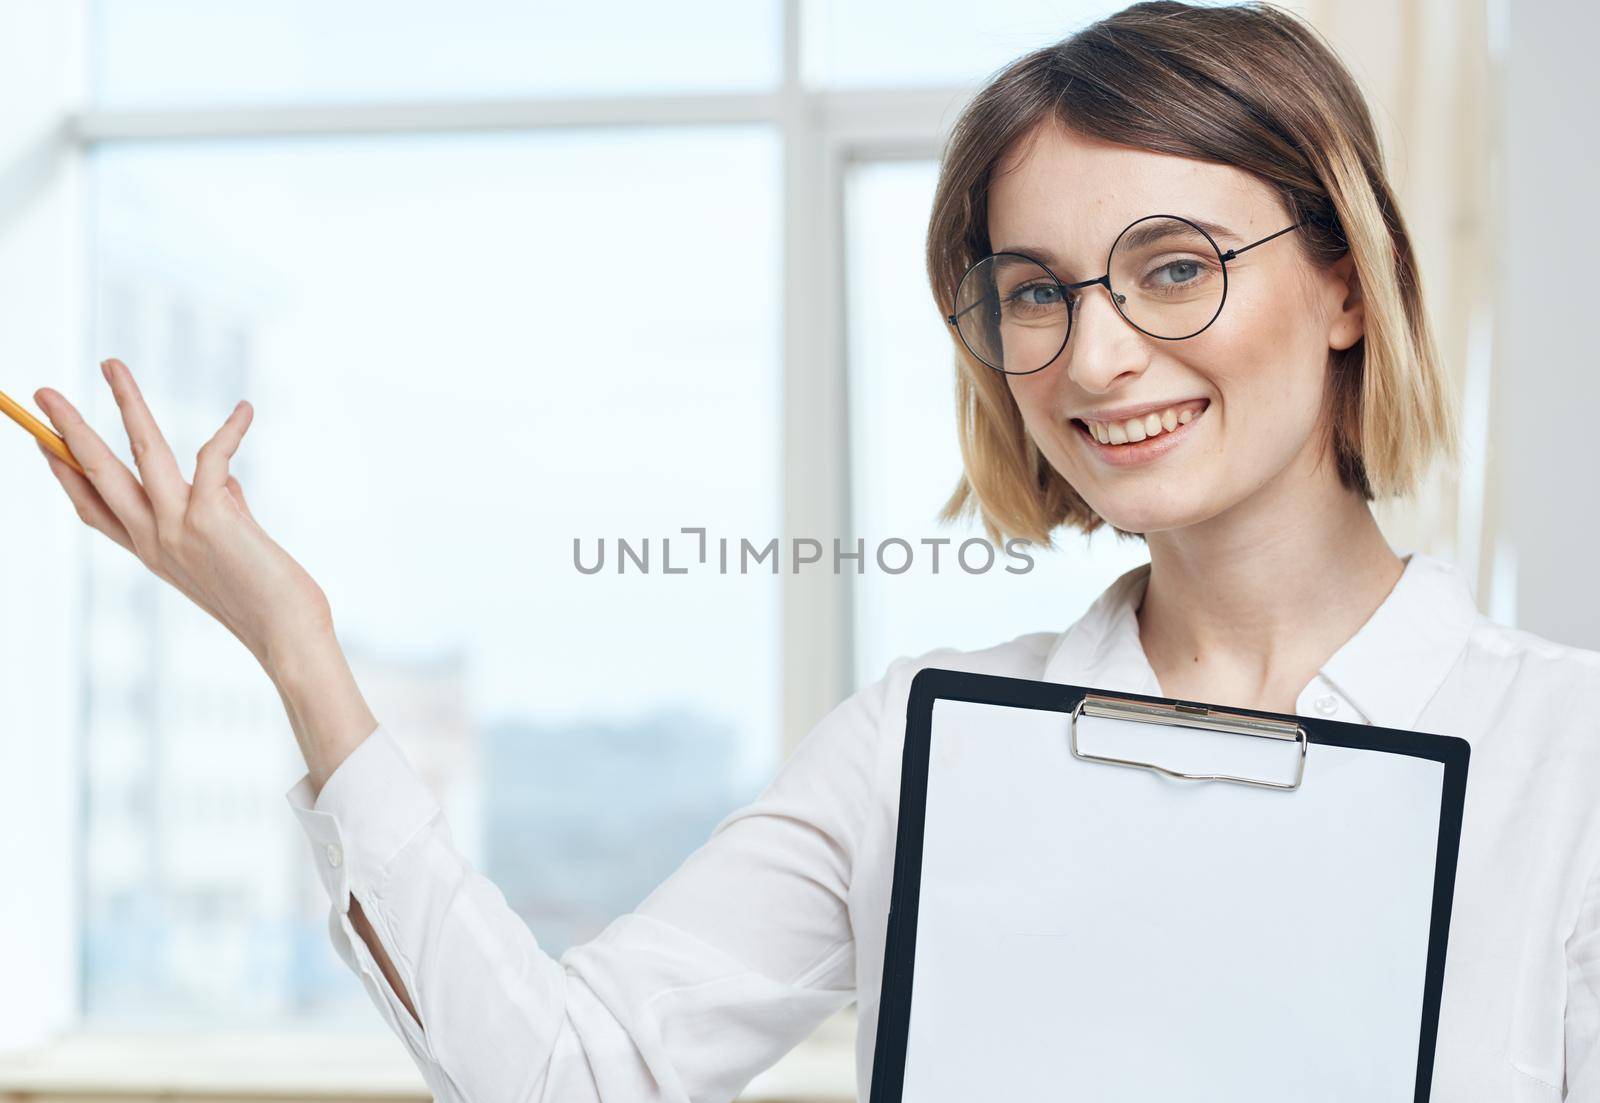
pixel 47 436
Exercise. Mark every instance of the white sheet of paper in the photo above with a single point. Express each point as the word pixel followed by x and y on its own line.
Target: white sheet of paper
pixel 1098 932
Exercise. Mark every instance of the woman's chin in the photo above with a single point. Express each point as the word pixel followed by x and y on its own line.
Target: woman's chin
pixel 1147 517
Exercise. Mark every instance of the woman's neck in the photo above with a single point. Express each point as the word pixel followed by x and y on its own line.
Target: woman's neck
pixel 1244 608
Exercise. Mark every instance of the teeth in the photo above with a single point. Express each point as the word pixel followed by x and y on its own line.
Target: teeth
pixel 1138 428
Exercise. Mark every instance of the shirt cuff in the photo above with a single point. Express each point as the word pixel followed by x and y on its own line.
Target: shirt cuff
pixel 372 805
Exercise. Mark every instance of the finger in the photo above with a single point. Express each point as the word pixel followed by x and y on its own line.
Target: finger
pixel 108 475
pixel 164 483
pixel 86 500
pixel 211 462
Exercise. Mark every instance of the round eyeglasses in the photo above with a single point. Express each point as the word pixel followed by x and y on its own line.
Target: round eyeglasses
pixel 1165 275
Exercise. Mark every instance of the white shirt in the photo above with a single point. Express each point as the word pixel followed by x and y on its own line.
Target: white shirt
pixel 779 919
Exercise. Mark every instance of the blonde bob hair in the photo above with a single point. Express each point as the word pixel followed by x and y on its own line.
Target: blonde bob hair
pixel 1248 85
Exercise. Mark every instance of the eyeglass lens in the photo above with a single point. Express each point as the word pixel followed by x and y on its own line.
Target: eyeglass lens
pixel 1166 279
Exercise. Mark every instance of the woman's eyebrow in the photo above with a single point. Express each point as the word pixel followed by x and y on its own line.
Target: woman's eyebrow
pixel 1040 252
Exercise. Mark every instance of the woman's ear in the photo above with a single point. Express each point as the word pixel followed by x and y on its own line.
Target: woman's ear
pixel 1347 323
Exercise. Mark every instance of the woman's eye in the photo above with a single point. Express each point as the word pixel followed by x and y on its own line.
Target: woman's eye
pixel 1177 272
pixel 1039 294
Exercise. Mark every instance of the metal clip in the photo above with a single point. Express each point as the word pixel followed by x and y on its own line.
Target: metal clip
pixel 1189 716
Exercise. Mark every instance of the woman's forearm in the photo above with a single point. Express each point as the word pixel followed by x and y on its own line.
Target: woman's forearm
pixel 330 718
pixel 329 715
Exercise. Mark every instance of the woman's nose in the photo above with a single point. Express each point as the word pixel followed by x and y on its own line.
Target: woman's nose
pixel 1102 347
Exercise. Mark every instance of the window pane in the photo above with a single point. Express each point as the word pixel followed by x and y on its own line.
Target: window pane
pixel 942 42
pixel 186 53
pixel 906 459
pixel 464 353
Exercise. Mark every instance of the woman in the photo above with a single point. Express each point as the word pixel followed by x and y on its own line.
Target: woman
pixel 1183 304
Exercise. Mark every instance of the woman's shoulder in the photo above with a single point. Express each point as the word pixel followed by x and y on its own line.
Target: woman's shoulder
pixel 1495 640
pixel 1022 656
pixel 875 714
pixel 1519 659
pixel 867 727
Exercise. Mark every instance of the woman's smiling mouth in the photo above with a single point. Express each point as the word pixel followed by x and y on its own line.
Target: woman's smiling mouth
pixel 1141 438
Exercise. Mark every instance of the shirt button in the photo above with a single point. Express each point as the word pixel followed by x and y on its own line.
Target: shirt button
pixel 1327 704
pixel 334 853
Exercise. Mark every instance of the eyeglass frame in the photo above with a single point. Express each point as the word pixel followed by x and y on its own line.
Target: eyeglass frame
pixel 1105 280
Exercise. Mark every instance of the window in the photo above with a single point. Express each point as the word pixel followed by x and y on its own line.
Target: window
pixel 465 353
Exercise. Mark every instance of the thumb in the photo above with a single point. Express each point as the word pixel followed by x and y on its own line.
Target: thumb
pixel 237 492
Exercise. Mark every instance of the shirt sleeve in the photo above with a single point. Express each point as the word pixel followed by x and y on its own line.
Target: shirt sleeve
pixel 722 969
pixel 1583 1000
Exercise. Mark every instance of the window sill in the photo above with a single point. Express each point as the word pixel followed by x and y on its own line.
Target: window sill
pixel 292 1067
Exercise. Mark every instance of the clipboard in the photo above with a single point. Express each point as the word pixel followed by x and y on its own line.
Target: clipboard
pixel 1110 896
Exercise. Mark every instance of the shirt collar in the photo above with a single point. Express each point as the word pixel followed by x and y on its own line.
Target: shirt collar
pixel 1388 670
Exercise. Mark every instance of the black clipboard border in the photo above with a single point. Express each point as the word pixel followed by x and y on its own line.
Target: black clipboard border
pixel 936 683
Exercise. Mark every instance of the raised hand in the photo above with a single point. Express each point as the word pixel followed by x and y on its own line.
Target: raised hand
pixel 201 537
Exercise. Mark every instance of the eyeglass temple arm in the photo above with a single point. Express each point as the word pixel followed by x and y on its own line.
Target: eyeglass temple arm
pixel 953 318
pixel 1231 253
